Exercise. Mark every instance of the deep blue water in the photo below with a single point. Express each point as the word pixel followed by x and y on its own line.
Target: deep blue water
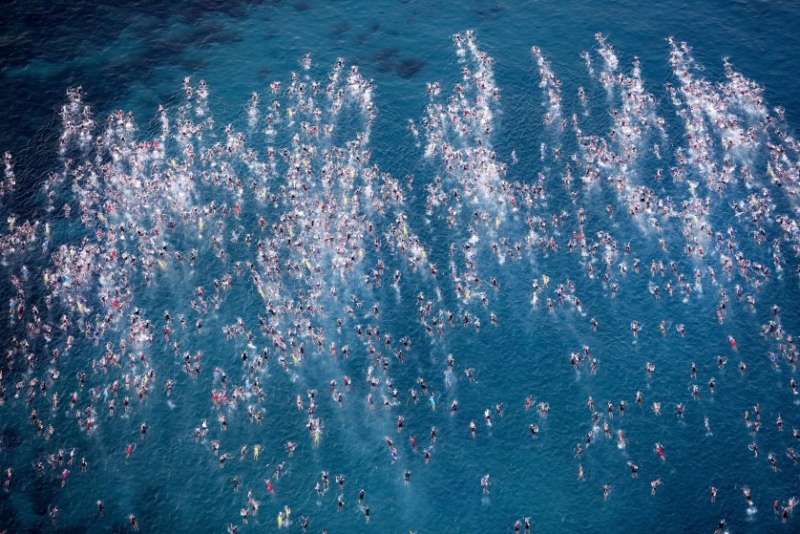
pixel 135 56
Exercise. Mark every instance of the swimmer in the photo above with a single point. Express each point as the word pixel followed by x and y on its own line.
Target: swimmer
pixel 657 408
pixel 654 486
pixel 747 497
pixel 544 407
pixel 773 462
pixel 634 469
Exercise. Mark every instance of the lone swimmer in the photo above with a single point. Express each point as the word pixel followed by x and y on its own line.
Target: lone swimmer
pixel 485 484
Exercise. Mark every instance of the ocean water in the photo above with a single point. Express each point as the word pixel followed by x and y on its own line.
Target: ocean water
pixel 456 165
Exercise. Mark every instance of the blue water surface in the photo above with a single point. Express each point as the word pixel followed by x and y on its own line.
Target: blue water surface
pixel 134 57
